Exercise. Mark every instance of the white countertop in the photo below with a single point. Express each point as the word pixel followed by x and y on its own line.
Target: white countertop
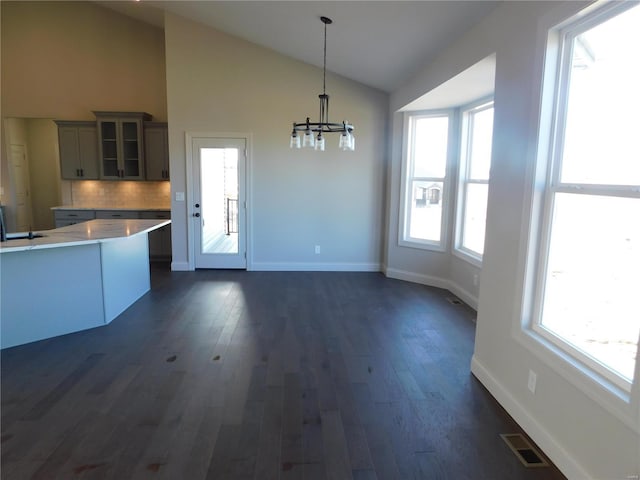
pixel 93 231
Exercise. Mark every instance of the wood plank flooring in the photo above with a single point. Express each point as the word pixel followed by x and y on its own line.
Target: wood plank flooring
pixel 260 375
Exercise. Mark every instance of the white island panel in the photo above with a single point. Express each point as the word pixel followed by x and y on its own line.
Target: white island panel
pixel 125 273
pixel 46 293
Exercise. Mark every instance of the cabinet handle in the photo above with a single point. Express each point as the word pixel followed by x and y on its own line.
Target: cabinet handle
pixel 77 172
pixel 82 172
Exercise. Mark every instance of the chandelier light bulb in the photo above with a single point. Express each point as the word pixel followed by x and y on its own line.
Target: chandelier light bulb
pixel 295 141
pixel 308 140
pixel 343 144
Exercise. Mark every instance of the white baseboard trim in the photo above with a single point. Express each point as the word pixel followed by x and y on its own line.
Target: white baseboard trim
pixel 417 278
pixel 180 267
pixel 432 281
pixel 314 267
pixel 464 295
pixel 558 455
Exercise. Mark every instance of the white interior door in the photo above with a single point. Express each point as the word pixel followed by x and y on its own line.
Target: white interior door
pixel 20 178
pixel 218 209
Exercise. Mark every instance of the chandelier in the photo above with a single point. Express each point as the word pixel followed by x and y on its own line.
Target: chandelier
pixel 310 129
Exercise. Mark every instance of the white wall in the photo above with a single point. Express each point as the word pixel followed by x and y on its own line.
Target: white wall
pixel 298 198
pixel 582 437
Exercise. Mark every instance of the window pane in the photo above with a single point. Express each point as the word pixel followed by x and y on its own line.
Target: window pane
pixel 602 142
pixel 430 137
pixel 426 210
pixel 480 148
pixel 475 217
pixel 592 281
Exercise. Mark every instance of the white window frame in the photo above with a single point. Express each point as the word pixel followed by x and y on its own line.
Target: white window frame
pixel 597 375
pixel 404 239
pixel 467 113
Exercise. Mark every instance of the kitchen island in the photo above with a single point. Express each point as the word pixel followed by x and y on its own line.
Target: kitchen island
pixel 72 278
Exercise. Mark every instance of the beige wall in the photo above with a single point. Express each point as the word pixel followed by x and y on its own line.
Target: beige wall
pixel 297 198
pixel 65 59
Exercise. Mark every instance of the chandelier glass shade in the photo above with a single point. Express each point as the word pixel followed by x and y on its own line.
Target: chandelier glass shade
pixel 312 133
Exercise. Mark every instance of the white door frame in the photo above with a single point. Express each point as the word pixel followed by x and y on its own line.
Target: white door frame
pixel 247 137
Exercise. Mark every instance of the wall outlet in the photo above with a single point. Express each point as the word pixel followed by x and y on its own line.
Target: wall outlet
pixel 179 196
pixel 531 384
pixel 317 249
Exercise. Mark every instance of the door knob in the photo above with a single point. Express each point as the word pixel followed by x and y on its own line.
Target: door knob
pixel 197 205
pixel 196 214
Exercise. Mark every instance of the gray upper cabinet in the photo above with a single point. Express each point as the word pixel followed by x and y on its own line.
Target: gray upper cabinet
pixel 120 145
pixel 156 150
pixel 78 144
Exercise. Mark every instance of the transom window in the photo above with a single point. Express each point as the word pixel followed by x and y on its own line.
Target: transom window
pixel 586 300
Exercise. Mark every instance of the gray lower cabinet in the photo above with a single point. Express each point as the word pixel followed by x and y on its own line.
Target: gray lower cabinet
pixel 119 214
pixel 156 151
pixel 78 148
pixel 160 239
pixel 71 217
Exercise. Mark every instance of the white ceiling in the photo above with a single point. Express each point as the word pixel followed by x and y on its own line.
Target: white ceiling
pixel 377 43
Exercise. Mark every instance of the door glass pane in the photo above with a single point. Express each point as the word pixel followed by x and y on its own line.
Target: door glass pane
pixel 430 146
pixel 601 144
pixel 426 210
pixel 592 281
pixel 219 202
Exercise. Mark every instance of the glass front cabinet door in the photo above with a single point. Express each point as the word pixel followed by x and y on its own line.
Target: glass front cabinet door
pixel 120 144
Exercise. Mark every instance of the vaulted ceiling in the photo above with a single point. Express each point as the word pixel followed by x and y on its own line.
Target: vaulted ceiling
pixel 377 43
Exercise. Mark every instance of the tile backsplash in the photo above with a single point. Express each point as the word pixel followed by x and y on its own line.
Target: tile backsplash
pixel 120 194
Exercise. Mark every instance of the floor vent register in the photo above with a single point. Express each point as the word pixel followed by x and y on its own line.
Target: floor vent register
pixel 528 455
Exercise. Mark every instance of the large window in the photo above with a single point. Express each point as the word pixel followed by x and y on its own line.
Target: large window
pixel 423 220
pixel 586 300
pixel 473 180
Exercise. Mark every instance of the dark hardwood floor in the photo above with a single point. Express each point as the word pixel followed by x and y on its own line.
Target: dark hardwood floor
pixel 260 375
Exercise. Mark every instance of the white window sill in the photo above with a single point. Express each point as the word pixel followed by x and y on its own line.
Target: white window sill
pixel 468 257
pixel 422 245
